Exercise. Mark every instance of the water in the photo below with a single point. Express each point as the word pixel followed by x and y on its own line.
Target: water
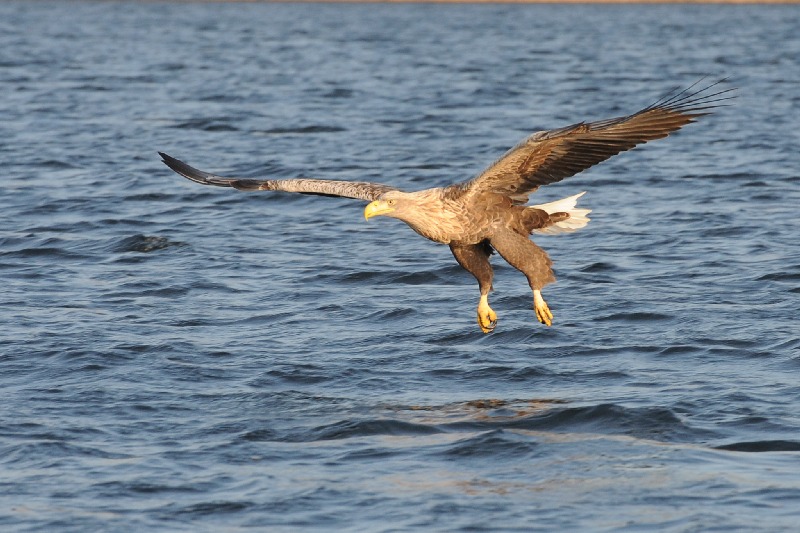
pixel 181 358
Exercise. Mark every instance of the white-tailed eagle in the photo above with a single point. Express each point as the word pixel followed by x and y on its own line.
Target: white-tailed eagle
pixel 489 212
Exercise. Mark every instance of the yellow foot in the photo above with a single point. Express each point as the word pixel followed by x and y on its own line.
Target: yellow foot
pixel 487 318
pixel 543 313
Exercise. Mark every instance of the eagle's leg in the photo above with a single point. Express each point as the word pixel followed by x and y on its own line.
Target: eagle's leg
pixel 543 313
pixel 525 256
pixel 474 258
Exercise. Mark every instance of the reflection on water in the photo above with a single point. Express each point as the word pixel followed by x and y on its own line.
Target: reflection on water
pixel 490 409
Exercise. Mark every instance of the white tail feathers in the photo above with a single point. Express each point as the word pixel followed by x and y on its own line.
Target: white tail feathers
pixel 577 217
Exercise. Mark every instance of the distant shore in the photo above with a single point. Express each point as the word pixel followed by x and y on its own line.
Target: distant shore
pixel 504 1
pixel 493 1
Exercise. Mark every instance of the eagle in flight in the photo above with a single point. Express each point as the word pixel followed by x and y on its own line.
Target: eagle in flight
pixel 489 212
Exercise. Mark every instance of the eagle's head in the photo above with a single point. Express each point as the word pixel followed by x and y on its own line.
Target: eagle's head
pixel 393 204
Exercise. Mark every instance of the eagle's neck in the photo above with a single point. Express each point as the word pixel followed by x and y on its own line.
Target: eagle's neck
pixel 432 216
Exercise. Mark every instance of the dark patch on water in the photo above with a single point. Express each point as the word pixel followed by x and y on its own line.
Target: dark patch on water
pixel 302 130
pixel 144 244
pixel 635 317
pixel 762 446
pixel 207 124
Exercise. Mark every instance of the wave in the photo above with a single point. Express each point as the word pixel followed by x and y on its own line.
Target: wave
pixel 364 428
pixel 652 423
pixel 421 277
pixel 495 444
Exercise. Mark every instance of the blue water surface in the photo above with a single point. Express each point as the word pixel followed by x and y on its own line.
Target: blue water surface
pixel 183 358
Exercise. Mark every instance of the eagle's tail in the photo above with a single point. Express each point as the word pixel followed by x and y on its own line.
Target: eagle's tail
pixel 577 217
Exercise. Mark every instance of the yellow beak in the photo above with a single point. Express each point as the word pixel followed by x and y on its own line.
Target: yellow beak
pixel 378 207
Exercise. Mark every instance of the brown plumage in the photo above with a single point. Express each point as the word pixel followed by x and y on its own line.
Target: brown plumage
pixel 488 212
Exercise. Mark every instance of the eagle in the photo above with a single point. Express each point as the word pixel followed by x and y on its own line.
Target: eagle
pixel 489 213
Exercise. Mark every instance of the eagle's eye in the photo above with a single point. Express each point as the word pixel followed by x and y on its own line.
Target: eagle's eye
pixel 392 202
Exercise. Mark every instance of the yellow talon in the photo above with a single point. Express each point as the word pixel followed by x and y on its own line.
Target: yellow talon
pixel 543 313
pixel 487 318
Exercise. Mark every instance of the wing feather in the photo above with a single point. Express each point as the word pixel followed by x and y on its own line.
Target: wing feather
pixel 550 156
pixel 360 190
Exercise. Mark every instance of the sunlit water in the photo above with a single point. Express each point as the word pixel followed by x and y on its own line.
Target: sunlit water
pixel 182 358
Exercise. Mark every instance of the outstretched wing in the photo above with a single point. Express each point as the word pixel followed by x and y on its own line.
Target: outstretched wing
pixel 360 190
pixel 550 156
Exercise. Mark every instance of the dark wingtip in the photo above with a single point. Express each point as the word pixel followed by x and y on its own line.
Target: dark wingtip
pixel 194 174
pixel 183 169
pixel 180 167
pixel 168 160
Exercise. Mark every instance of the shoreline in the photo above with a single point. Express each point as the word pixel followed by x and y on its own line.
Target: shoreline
pixel 572 2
